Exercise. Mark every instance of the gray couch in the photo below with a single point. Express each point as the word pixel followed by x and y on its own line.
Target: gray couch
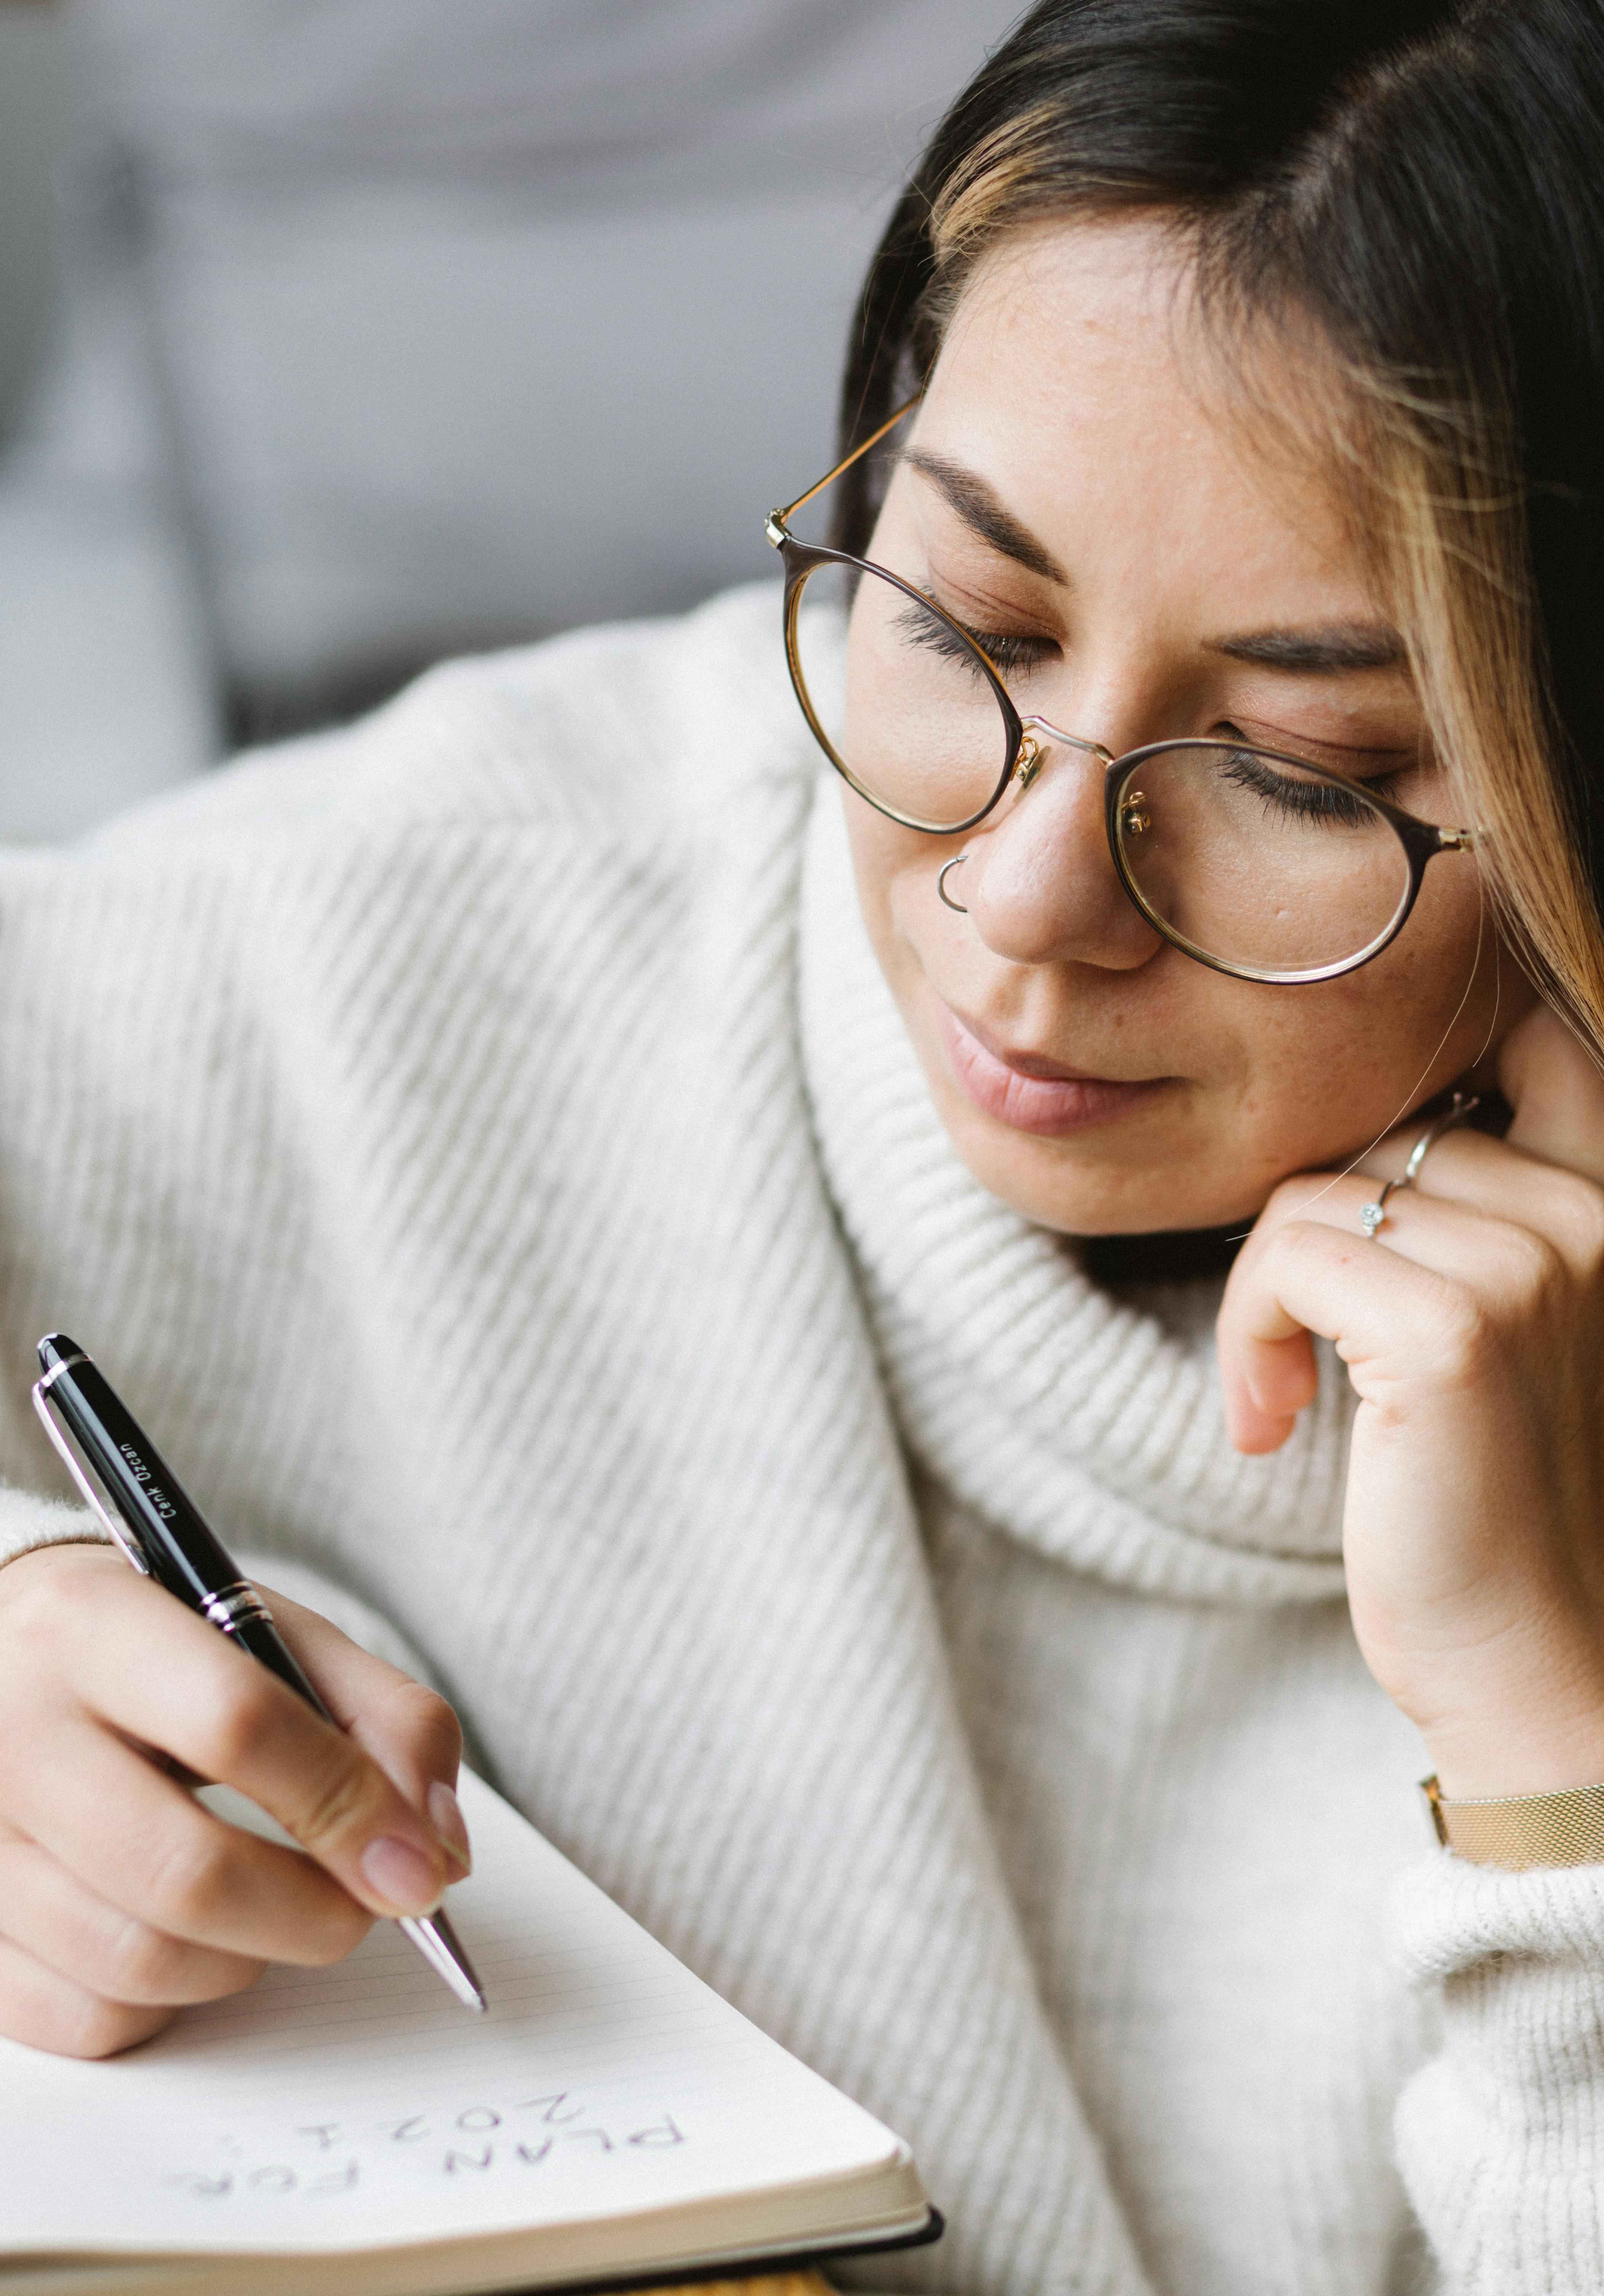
pixel 394 327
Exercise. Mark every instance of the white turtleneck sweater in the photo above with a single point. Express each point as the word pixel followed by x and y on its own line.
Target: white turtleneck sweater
pixel 482 1147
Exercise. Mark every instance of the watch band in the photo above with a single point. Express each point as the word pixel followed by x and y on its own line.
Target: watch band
pixel 1516 1831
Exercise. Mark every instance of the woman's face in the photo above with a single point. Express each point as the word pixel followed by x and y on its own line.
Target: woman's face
pixel 1069 495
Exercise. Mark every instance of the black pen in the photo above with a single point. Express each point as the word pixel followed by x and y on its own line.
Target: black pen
pixel 164 1535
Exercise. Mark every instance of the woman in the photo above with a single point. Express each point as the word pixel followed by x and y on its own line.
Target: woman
pixel 684 1252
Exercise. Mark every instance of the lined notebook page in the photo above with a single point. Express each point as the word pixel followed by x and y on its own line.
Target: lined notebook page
pixel 352 2107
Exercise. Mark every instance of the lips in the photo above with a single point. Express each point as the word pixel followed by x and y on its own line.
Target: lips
pixel 1028 1091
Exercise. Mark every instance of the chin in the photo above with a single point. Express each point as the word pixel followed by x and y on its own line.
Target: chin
pixel 1136 1175
pixel 1083 1188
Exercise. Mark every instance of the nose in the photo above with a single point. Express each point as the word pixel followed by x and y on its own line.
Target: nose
pixel 1039 882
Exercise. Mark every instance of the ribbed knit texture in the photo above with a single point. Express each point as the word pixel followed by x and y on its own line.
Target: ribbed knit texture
pixel 417 1125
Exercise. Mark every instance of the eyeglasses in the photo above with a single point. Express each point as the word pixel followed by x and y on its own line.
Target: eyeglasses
pixel 1255 862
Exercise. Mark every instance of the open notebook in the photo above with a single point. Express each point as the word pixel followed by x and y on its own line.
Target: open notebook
pixel 353 2129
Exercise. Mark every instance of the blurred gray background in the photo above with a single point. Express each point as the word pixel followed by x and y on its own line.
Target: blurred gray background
pixel 338 335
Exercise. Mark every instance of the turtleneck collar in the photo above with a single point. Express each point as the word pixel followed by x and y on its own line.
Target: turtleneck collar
pixel 1084 1424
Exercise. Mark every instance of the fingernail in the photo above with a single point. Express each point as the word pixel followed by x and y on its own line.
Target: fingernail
pixel 400 1874
pixel 445 1812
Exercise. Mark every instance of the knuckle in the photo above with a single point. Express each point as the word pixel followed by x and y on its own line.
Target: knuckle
pixel 1534 1271
pixel 140 1964
pixel 339 1799
pixel 28 1597
pixel 431 1721
pixel 1286 1201
pixel 43 1595
pixel 188 1884
pixel 340 1932
pixel 1469 1340
pixel 1304 1245
pixel 114 2026
pixel 1295 1239
pixel 91 2027
pixel 235 1718
pixel 1587 1219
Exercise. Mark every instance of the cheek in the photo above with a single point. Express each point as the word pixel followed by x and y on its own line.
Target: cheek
pixel 1447 991
pixel 1270 1081
pixel 1329 1069
pixel 895 869
pixel 1451 931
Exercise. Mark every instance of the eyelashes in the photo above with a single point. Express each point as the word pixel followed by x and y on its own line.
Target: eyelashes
pixel 1009 654
pixel 935 630
pixel 1316 802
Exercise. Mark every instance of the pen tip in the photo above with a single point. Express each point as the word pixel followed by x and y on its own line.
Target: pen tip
pixel 441 1949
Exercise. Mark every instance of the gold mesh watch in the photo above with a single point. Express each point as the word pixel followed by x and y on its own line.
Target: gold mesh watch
pixel 1520 1830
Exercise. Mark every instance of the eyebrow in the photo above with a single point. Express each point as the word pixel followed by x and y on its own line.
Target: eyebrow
pixel 985 515
pixel 1341 646
pixel 1344 645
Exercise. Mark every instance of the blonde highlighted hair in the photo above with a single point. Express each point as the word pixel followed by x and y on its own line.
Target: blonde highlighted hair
pixel 1412 192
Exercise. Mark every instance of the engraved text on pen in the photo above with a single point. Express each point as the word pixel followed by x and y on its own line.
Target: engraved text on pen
pixel 157 1496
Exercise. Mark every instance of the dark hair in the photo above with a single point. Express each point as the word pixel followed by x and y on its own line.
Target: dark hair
pixel 1424 182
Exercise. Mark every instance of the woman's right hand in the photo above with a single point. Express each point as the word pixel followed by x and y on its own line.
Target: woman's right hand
pixel 122 1897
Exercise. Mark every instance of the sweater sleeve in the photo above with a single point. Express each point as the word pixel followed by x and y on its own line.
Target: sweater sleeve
pixel 1501 2133
pixel 29 1520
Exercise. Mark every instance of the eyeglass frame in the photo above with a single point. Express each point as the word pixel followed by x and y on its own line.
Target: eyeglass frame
pixel 1421 840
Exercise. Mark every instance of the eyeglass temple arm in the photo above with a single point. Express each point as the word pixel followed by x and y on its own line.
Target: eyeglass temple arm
pixel 774 525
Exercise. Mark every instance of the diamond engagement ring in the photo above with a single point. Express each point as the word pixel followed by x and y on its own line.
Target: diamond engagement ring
pixel 1464 1106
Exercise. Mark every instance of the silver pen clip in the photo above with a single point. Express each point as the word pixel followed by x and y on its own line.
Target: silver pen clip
pixel 80 1470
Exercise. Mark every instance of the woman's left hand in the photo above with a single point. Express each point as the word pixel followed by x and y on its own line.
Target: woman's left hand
pixel 1473 1329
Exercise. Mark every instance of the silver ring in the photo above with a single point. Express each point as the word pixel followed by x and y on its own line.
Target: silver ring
pixel 957 862
pixel 1371 1215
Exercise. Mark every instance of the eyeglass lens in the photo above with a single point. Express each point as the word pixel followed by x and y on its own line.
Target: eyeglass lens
pixel 1243 856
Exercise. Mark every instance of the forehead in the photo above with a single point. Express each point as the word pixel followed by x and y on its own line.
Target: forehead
pixel 1078 377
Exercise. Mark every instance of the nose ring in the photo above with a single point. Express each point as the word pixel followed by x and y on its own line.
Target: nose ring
pixel 957 862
